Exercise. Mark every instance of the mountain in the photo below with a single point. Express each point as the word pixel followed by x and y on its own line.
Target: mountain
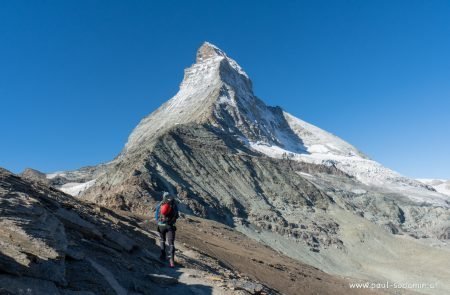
pixel 281 181
pixel 217 92
pixel 440 185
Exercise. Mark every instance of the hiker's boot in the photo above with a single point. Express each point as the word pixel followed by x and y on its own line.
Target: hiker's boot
pixel 171 262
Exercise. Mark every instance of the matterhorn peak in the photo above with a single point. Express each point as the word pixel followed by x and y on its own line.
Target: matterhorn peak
pixel 210 57
pixel 216 90
pixel 208 50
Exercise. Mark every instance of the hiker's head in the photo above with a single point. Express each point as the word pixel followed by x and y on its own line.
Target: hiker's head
pixel 167 197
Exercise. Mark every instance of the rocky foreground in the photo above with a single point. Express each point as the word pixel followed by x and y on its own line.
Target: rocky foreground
pixel 51 243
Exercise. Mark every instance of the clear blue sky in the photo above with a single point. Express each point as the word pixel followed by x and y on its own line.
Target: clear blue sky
pixel 77 76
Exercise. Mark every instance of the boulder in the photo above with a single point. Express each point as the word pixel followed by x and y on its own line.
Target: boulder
pixel 250 287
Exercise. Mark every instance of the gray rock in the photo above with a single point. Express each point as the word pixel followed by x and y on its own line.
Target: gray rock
pixel 73 220
pixel 250 287
pixel 392 228
pixel 109 277
pixel 32 240
pixel 124 242
pixel 445 234
pixel 34 175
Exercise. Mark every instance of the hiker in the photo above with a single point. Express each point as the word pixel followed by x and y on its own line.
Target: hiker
pixel 166 215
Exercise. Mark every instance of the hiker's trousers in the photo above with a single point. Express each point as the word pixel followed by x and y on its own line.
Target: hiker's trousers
pixel 167 232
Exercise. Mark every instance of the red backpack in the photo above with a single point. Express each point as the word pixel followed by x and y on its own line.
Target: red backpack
pixel 166 212
pixel 165 209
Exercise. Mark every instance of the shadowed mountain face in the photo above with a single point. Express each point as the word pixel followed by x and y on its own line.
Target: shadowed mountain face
pixel 278 179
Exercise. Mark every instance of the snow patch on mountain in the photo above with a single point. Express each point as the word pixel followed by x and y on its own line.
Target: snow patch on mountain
pixel 366 171
pixel 324 148
pixel 74 182
pixel 76 188
pixel 318 141
pixel 73 188
pixel 440 185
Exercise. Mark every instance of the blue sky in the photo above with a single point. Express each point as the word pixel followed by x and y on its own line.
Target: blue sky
pixel 77 76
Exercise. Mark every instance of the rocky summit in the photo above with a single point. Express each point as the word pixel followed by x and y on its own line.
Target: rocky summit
pixel 277 179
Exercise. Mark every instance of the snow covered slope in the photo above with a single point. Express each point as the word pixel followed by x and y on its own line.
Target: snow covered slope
pixel 75 188
pixel 326 149
pixel 440 185
pixel 76 181
pixel 320 141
